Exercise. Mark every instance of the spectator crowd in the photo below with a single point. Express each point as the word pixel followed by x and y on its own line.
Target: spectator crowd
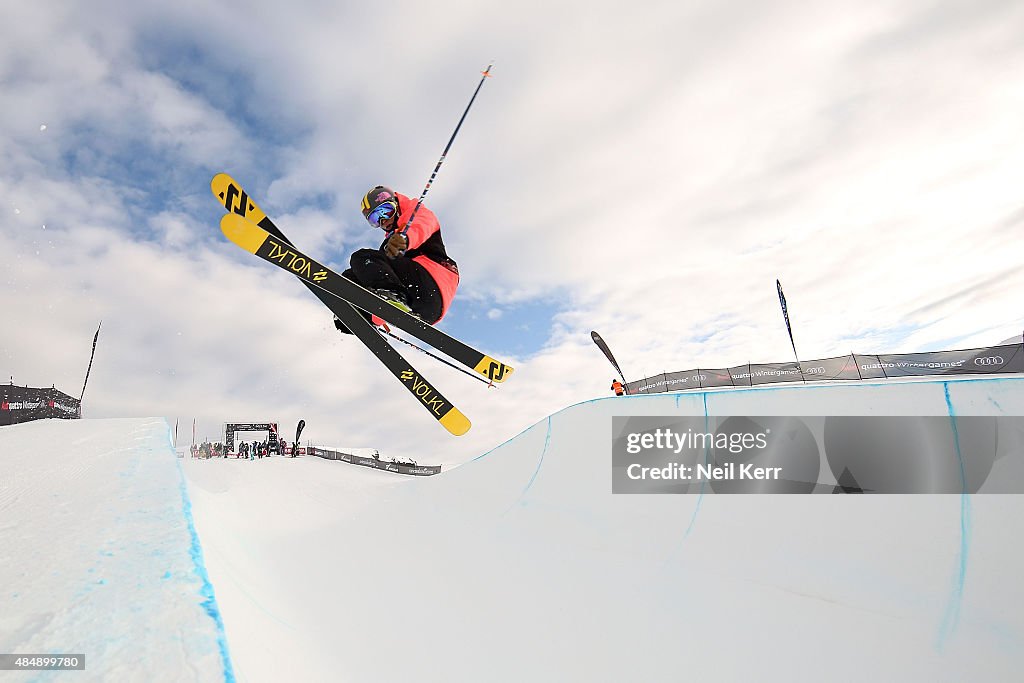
pixel 246 450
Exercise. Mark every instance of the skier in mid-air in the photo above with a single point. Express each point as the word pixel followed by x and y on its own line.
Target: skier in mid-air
pixel 411 268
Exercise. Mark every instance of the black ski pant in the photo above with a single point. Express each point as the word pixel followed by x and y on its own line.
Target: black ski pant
pixel 372 269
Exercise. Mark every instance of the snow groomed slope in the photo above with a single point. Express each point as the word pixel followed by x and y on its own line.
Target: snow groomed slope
pixel 522 564
pixel 519 565
pixel 100 556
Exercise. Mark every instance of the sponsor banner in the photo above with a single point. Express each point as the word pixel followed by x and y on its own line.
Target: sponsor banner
pixel 419 470
pixel 739 375
pixel 376 463
pixel 716 377
pixel 650 385
pixel 981 361
pixel 869 367
pixel 633 388
pixel 273 443
pixel 817 454
pixel 915 364
pixel 830 369
pixel 677 381
pixel 25 404
pixel 767 373
pixel 994 360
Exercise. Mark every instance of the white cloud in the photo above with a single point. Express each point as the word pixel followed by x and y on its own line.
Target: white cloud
pixel 654 170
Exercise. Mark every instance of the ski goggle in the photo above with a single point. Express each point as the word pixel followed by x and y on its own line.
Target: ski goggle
pixel 382 213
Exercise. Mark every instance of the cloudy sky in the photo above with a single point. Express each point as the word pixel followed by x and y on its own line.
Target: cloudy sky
pixel 643 169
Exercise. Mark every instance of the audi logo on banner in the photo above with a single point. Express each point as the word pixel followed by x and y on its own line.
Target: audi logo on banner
pixel 989 361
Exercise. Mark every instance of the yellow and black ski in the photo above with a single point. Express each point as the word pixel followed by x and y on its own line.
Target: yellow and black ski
pixel 450 417
pixel 260 236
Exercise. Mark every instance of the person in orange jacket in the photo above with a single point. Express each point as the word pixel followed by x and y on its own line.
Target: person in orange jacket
pixel 617 387
pixel 411 268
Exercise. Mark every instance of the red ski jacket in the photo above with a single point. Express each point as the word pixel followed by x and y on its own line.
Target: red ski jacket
pixel 427 249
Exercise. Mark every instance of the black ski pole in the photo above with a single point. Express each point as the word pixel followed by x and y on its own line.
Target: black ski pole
pixel 486 74
pixel 435 357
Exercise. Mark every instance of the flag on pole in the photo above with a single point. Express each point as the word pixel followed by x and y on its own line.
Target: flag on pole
pixel 601 344
pixel 785 316
pixel 95 338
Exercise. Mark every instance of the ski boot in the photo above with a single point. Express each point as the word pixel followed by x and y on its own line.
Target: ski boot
pixel 396 299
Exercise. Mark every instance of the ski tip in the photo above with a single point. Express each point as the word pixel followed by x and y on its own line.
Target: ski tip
pixel 242 232
pixel 220 180
pixel 234 199
pixel 455 422
pixel 494 370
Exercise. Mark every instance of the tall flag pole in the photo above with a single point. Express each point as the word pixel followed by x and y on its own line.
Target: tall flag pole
pixel 785 316
pixel 298 432
pixel 601 344
pixel 95 338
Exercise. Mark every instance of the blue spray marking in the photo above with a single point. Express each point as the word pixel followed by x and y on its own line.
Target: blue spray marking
pixel 540 463
pixel 209 602
pixel 563 410
pixel 703 482
pixel 952 616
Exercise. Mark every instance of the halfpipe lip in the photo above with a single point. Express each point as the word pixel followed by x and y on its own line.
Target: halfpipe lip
pixel 848 383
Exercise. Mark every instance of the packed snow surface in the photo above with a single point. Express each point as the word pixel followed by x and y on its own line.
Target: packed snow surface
pixel 99 556
pixel 517 566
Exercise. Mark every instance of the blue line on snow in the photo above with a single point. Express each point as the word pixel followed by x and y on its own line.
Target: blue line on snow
pixel 700 494
pixel 196 551
pixel 730 390
pixel 952 615
pixel 547 442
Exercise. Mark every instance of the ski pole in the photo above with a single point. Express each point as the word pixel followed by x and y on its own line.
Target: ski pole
pixel 486 74
pixel 437 358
